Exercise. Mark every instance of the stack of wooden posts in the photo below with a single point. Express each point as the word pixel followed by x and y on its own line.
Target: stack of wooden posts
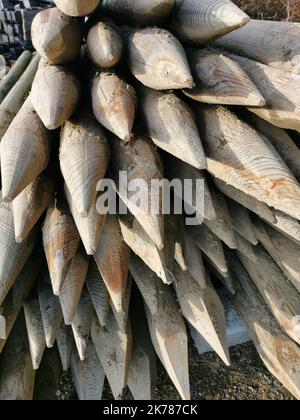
pixel 185 89
pixel 15 23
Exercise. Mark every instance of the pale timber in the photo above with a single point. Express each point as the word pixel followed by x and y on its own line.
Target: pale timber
pixel 98 293
pixel 241 221
pixel 122 316
pixel 77 8
pixel 65 344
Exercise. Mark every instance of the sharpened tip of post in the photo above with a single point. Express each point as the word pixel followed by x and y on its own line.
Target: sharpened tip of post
pixel 190 84
pixel 84 214
pixel 19 239
pixel 128 137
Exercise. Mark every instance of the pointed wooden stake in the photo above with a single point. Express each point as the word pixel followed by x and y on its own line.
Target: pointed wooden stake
pixel 18 294
pixel 158 60
pixel 285 253
pixel 114 104
pixel 172 126
pixel 30 204
pixel 25 152
pixel 73 285
pixel 13 256
pixel 169 338
pixel 81 324
pixel 194 260
pixel 61 240
pixel 50 309
pixel 88 375
pixel 77 7
pixel 65 343
pixel 203 309
pixel 278 88
pixel 48 376
pixel 280 139
pixel 55 36
pixel 199 22
pixel 278 352
pixel 161 262
pixel 114 350
pixel 210 245
pixel 98 293
pixel 281 297
pixel 286 225
pixel 138 13
pixel 35 329
pixel 245 200
pixel 245 159
pixel 241 221
pixel 16 373
pixel 222 226
pixel 200 199
pixel 141 162
pixel 122 316
pixel 142 372
pixel 220 80
pixel 84 157
pixel 55 95
pixel 104 45
pixel 90 227
pixel 112 258
pixel 272 43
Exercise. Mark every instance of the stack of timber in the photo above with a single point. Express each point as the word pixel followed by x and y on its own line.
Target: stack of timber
pixel 156 90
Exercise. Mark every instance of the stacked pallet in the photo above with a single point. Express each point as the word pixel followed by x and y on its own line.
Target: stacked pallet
pixel 195 99
pixel 15 24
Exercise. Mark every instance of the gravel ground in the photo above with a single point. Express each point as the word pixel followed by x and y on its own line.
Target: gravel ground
pixel 246 379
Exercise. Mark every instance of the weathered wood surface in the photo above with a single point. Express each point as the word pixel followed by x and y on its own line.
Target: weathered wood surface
pixel 210 245
pixel 55 36
pixel 114 104
pixel 279 88
pixel 161 262
pixel 50 309
pixel 61 240
pixel 84 157
pixel 142 371
pixel 77 7
pixel 65 344
pixel 35 329
pixel 13 102
pixel 81 324
pixel 245 159
pixel 72 287
pixel 281 297
pixel 171 125
pixel 104 45
pixel 48 376
pixel 89 227
pixel 287 225
pixel 169 338
pixel 278 352
pixel 273 43
pixel 30 204
pixel 241 221
pixel 88 375
pixel 247 201
pixel 114 349
pixel 14 74
pixel 157 59
pixel 222 226
pixel 13 256
pixel 138 12
pixel 16 372
pixel 199 22
pixel 98 293
pixel 280 139
pixel 220 80
pixel 122 316
pixel 25 152
pixel 141 162
pixel 15 299
pixel 285 253
pixel 112 258
pixel 55 94
pixel 203 309
pixel 199 199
